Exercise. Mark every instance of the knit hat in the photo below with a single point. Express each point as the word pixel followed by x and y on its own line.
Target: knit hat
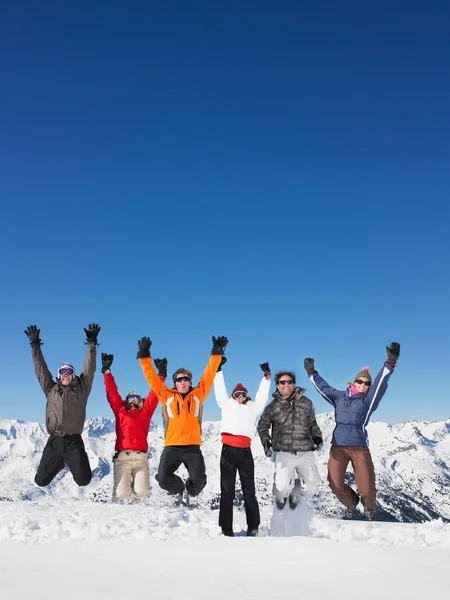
pixel 364 373
pixel 239 388
pixel 66 366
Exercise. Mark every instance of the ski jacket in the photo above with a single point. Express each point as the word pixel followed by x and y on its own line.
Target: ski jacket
pixel 182 416
pixel 238 418
pixel 352 413
pixel 131 425
pixel 293 424
pixel 65 412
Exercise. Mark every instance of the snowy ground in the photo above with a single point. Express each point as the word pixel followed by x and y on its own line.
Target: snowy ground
pixel 78 549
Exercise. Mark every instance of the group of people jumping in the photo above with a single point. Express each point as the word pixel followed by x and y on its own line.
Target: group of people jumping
pixel 287 428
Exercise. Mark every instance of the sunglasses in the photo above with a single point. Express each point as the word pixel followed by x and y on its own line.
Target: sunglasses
pixel 240 395
pixel 134 399
pixel 362 382
pixel 179 379
pixel 66 371
pixel 285 382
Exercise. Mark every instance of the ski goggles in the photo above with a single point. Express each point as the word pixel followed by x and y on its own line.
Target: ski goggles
pixel 179 379
pixel 240 395
pixel 65 371
pixel 134 399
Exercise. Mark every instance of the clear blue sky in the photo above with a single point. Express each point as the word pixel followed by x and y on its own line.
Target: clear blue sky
pixel 276 172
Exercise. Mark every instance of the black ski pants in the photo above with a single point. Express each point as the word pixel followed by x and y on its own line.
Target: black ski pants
pixel 232 460
pixel 173 457
pixel 59 452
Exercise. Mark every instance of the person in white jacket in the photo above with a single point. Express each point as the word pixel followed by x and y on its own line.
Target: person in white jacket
pixel 239 414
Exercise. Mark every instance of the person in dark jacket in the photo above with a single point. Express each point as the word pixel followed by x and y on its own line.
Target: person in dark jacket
pixel 288 427
pixel 133 416
pixel 353 408
pixel 67 397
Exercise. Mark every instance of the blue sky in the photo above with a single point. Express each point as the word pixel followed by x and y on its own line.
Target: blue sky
pixel 274 172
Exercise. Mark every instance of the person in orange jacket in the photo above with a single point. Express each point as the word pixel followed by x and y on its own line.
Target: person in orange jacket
pixel 182 415
pixel 133 416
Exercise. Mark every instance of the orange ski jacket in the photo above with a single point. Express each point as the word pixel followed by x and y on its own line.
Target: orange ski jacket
pixel 182 416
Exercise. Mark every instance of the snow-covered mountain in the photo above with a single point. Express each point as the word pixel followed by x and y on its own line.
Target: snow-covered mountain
pixel 411 461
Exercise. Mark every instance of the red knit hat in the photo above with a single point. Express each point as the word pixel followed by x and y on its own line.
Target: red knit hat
pixel 239 388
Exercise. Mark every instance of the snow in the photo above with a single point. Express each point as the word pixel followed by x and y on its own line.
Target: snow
pixel 53 548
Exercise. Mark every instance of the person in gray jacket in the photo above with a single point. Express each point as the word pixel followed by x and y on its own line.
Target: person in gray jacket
pixel 288 427
pixel 65 411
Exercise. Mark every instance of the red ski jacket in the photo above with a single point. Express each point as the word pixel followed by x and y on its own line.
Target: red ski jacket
pixel 131 425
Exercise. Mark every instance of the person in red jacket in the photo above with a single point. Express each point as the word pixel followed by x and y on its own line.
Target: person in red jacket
pixel 133 415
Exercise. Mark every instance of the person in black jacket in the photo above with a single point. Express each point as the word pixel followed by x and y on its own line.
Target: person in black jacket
pixel 65 410
pixel 288 427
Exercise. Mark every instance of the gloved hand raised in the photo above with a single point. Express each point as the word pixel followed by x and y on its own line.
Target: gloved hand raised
pixel 92 333
pixel 393 352
pixel 268 449
pixel 222 362
pixel 265 369
pixel 161 365
pixel 107 361
pixel 219 344
pixel 309 365
pixel 144 347
pixel 33 335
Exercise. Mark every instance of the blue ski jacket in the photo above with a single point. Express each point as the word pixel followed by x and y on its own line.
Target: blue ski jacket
pixel 352 412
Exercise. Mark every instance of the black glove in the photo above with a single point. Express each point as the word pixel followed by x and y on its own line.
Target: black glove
pixel 219 344
pixel 393 352
pixel 144 347
pixel 91 333
pixel 309 365
pixel 107 361
pixel 265 369
pixel 318 441
pixel 33 335
pixel 267 449
pixel 222 362
pixel 161 365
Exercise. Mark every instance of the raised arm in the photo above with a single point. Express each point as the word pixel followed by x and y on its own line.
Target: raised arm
pixel 220 390
pixel 40 366
pixel 262 395
pixel 148 369
pixel 112 393
pixel 207 379
pixel 151 401
pixel 327 392
pixel 90 358
pixel 380 383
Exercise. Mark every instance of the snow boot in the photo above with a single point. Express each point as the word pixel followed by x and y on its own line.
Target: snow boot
pixel 280 503
pixel 369 514
pixel 228 532
pixel 252 532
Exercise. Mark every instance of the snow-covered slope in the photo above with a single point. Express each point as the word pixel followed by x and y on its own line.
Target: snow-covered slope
pixel 411 461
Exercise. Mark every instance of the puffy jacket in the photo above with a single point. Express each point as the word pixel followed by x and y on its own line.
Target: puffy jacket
pixel 182 416
pixel 131 425
pixel 239 418
pixel 352 413
pixel 293 423
pixel 65 411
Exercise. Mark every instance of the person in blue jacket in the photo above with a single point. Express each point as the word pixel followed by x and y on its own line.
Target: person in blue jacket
pixel 353 408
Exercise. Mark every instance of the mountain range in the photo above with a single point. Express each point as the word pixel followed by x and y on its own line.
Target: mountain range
pixel 411 463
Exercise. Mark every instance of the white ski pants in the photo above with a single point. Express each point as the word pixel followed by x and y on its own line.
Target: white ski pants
pixel 290 469
pixel 131 475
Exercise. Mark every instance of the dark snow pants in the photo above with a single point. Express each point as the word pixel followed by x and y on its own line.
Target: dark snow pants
pixel 189 456
pixel 232 460
pixel 59 452
pixel 364 472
